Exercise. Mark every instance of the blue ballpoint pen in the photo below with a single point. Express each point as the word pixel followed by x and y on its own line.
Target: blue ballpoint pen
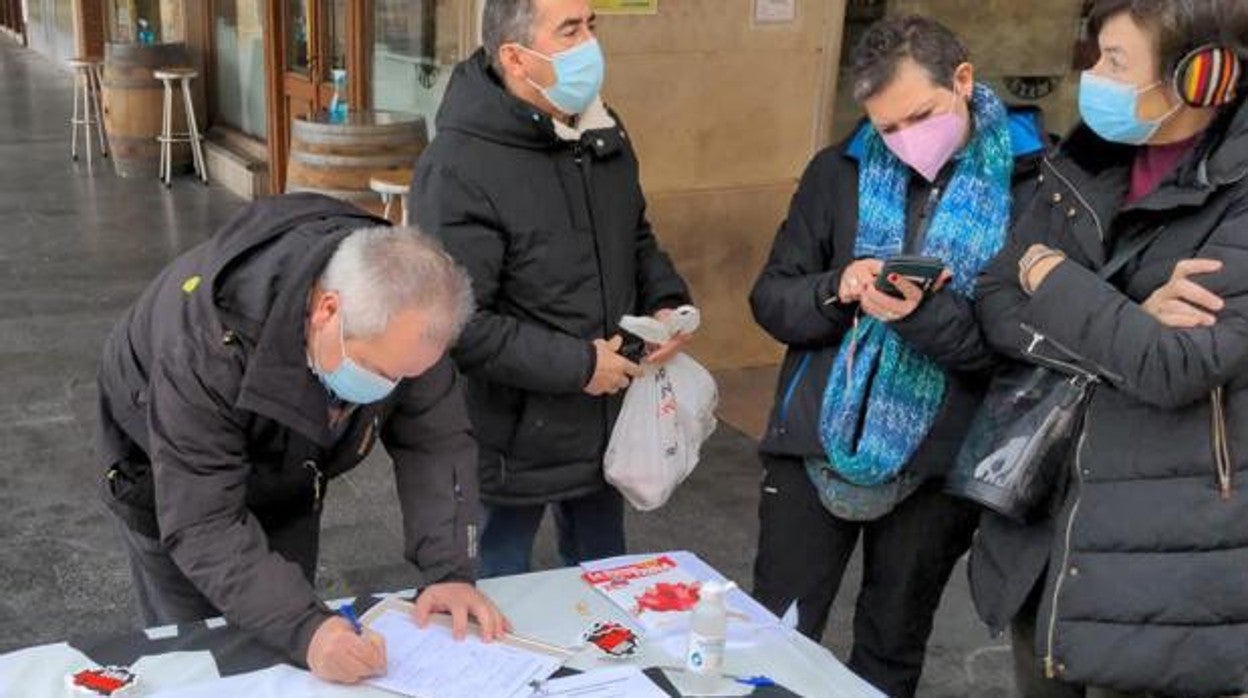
pixel 348 612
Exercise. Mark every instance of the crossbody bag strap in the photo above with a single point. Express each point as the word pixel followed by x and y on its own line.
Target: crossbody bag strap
pixel 1123 257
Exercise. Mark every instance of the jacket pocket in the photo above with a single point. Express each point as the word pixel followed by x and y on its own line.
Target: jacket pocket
pixel 280 482
pixel 559 429
pixel 794 426
pixel 790 389
pixel 495 411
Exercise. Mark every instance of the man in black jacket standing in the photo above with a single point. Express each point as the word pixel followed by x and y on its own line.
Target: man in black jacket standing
pixel 533 186
pixel 258 366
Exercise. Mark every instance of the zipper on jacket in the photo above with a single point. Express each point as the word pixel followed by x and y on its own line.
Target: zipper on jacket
pixel 318 483
pixel 367 442
pixel 1038 338
pixel 1100 230
pixel 1051 667
pixel 582 163
pixel 791 390
pixel 578 156
pixel 925 218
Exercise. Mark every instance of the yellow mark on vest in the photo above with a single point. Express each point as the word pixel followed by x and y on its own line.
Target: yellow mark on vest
pixel 191 284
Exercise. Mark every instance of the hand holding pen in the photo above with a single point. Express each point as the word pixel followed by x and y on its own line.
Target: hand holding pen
pixel 344 651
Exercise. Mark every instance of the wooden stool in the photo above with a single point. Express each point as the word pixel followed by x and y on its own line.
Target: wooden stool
pixel 88 111
pixel 392 186
pixel 167 138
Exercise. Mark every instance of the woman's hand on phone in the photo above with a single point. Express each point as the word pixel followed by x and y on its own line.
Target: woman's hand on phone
pixel 888 308
pixel 857 278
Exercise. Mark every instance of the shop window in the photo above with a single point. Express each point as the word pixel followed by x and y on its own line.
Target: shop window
pixel 416 44
pixel 238 36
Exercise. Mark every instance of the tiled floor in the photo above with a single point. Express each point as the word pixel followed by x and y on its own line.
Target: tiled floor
pixel 77 245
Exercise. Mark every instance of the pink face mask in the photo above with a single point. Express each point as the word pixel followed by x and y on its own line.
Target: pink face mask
pixel 928 145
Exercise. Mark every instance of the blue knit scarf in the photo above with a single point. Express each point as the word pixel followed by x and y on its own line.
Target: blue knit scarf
pixel 882 396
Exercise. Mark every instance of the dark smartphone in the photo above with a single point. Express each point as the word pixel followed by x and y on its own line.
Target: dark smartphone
pixel 921 271
pixel 634 347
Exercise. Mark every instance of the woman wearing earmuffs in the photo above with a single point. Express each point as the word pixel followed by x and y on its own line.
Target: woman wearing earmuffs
pixel 1138 580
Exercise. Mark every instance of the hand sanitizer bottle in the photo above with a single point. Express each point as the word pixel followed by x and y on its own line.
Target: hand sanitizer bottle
pixel 146 36
pixel 338 105
pixel 704 660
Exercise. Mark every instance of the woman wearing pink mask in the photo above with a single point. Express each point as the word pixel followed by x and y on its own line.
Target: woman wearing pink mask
pixel 877 390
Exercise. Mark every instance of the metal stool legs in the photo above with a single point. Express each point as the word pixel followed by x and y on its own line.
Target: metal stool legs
pixel 387 204
pixel 168 137
pixel 88 111
pixel 77 120
pixel 197 146
pixel 97 91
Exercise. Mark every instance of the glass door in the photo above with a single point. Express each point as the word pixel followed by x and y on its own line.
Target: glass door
pixel 306 68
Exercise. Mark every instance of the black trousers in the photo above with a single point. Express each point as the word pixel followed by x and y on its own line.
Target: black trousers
pixel 163 595
pixel 908 556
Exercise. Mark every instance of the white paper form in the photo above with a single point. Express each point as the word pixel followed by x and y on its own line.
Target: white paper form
pixel 429 663
pixel 621 682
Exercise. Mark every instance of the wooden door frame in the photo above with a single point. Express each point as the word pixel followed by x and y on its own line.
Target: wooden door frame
pixel 293 83
pixel 274 70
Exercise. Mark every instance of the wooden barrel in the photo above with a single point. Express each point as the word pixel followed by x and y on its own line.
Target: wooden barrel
pixel 339 159
pixel 134 107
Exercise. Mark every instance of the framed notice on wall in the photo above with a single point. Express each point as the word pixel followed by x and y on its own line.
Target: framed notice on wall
pixel 626 7
pixel 775 11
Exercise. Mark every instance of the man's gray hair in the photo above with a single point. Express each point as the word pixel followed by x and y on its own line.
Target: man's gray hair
pixel 380 272
pixel 506 22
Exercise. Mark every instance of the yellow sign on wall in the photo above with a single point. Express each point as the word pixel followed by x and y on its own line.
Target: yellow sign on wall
pixel 626 7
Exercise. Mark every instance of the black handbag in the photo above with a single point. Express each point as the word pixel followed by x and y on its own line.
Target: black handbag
pixel 1012 458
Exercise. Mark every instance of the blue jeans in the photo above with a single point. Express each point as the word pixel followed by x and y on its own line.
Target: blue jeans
pixel 590 527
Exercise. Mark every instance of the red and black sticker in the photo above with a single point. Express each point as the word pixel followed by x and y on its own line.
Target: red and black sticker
pixel 103 681
pixel 613 639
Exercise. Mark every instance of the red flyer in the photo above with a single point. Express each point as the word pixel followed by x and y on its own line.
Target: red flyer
pixel 655 591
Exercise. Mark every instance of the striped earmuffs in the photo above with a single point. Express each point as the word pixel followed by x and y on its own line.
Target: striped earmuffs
pixel 1208 76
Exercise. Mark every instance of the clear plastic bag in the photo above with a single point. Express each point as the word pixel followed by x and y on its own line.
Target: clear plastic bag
pixel 667 414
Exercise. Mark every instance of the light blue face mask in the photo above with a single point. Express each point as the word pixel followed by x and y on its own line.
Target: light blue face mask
pixel 352 382
pixel 1109 108
pixel 579 72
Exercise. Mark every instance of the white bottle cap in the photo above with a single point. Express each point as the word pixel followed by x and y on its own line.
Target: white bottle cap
pixel 716 590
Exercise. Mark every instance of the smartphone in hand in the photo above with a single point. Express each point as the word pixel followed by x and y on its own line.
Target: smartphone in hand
pixel 923 272
pixel 634 347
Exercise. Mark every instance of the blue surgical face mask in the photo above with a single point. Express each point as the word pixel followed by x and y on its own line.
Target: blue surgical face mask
pixel 352 382
pixel 579 72
pixel 1109 108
